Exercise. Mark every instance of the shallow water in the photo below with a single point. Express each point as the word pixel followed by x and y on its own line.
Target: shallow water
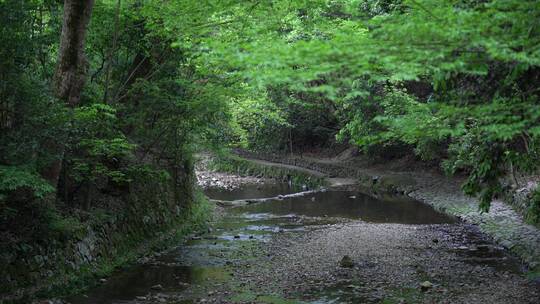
pixel 205 260
pixel 251 191
pixel 352 205
pixel 127 284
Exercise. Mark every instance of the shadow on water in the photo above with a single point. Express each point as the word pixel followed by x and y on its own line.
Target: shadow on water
pixel 127 284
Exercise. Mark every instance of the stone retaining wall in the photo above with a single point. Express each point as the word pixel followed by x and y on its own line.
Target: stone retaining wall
pixel 59 264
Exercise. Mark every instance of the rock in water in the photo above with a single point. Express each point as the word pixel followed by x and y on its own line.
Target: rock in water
pixel 346 262
pixel 426 285
pixel 157 287
pixel 483 247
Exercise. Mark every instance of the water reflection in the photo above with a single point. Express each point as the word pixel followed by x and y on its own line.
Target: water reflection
pixel 126 285
pixel 352 205
pixel 251 191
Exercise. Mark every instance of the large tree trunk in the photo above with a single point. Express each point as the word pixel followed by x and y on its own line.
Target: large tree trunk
pixel 72 63
pixel 70 72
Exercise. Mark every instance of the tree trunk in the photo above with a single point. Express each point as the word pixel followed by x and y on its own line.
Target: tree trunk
pixel 290 142
pixel 72 63
pixel 70 71
pixel 111 51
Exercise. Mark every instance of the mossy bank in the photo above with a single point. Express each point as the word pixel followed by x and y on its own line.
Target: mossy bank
pixel 245 167
pixel 82 247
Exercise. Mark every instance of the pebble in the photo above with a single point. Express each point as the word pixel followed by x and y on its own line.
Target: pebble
pixel 426 285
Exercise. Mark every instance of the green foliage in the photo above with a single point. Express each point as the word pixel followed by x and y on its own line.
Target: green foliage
pixel 16 178
pixel 29 118
pixel 478 113
pixel 453 81
pixel 478 110
pixel 100 146
pixel 64 227
pixel 149 102
pixel 259 123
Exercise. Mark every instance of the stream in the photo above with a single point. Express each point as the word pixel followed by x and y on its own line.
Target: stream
pixel 211 267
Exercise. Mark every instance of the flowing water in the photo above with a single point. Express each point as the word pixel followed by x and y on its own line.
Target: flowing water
pixel 204 260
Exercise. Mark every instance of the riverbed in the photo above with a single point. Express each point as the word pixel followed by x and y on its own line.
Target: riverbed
pixel 292 251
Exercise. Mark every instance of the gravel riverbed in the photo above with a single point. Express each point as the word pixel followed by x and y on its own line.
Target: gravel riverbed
pixel 251 256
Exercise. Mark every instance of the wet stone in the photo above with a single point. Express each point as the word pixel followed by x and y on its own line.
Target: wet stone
pixel 426 285
pixel 346 262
